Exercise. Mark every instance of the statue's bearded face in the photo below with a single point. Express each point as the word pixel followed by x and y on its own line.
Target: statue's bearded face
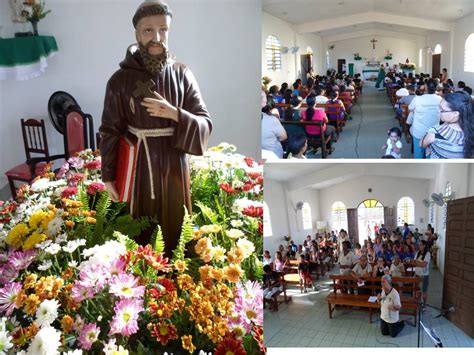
pixel 152 33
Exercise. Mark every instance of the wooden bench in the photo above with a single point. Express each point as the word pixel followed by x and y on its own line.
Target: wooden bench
pixel 278 297
pixel 332 109
pixel 403 122
pixel 313 142
pixel 408 288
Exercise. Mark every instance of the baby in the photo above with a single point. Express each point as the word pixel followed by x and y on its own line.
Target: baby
pixel 393 146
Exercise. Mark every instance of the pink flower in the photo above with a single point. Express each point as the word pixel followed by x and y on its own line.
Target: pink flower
pixel 95 187
pixel 117 267
pixel 69 192
pixel 93 165
pixel 248 308
pixel 8 296
pixel 88 335
pixel 81 291
pixel 21 260
pixel 8 273
pixel 126 286
pixel 125 320
pixel 76 162
pixel 94 276
pixel 63 170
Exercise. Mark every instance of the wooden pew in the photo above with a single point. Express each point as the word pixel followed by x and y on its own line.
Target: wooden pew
pixel 313 142
pixel 278 297
pixel 409 285
pixel 403 122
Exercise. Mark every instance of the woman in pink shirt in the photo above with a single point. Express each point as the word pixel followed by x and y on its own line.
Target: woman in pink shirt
pixel 311 114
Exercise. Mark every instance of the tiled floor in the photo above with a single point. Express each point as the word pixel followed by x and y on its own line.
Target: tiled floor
pixel 304 322
pixel 372 117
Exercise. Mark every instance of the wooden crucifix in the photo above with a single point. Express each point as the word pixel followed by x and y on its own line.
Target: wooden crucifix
pixel 144 89
pixel 373 42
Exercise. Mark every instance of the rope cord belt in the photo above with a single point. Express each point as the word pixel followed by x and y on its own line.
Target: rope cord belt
pixel 142 135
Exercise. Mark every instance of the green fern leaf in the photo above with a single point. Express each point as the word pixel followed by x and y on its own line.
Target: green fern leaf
pixel 186 236
pixel 157 240
pixel 129 243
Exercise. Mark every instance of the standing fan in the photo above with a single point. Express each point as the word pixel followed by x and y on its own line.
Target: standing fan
pixel 69 120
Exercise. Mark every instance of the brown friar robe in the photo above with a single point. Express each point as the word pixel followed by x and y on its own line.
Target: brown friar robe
pixel 168 155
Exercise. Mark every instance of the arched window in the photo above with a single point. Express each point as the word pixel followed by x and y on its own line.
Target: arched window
pixel 339 216
pixel 328 62
pixel 420 59
pixel 469 54
pixel 267 222
pixel 306 216
pixel 273 50
pixel 405 211
pixel 438 49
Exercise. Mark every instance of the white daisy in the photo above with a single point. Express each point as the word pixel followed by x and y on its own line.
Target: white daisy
pixel 54 226
pixel 46 265
pixel 72 245
pixel 73 352
pixel 72 264
pixel 236 223
pixel 61 238
pixel 44 245
pixel 5 342
pixel 47 312
pixel 53 249
pixel 234 233
pixel 46 342
pixel 246 246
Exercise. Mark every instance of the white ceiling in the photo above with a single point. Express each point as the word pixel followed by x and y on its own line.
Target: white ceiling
pixel 303 11
pixel 375 27
pixel 323 175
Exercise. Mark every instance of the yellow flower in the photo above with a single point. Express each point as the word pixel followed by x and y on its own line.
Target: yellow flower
pixel 90 220
pixel 232 273
pixel 235 255
pixel 31 304
pixel 180 266
pixel 185 282
pixel 187 342
pixel 36 219
pixel 16 235
pixel 67 323
pixel 203 246
pixel 234 233
pixel 217 274
pixel 212 228
pixel 33 239
pixel 30 281
pixel 205 272
pixel 246 246
pixel 218 253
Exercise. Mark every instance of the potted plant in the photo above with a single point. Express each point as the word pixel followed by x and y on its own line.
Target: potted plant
pixel 357 56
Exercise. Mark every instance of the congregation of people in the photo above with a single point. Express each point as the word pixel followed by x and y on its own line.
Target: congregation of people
pixel 438 115
pixel 398 253
pixel 327 100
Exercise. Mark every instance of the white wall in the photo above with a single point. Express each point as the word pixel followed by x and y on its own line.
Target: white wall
pixel 399 47
pixel 218 39
pixel 291 65
pixel 386 190
pixel 444 39
pixel 462 29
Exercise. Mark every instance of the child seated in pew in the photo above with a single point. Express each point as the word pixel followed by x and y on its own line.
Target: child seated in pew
pixel 267 258
pixel 304 273
pixel 271 285
pixel 297 146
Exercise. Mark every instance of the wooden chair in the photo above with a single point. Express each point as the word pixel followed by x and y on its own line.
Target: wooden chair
pixel 314 142
pixel 35 142
pixel 278 297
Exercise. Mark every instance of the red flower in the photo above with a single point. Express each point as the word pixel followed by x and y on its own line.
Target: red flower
pixel 163 332
pixel 153 259
pixel 227 188
pixel 253 211
pixel 95 187
pixel 230 347
pixel 254 175
pixel 74 179
pixel 260 227
pixel 248 186
pixel 93 165
pixel 249 161
pixel 69 192
pixel 258 336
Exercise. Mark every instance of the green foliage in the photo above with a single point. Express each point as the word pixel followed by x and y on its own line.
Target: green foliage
pixel 101 208
pixel 185 238
pixel 129 243
pixel 126 225
pixel 157 240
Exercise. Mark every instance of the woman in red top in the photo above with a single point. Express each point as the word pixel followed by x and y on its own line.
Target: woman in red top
pixel 311 114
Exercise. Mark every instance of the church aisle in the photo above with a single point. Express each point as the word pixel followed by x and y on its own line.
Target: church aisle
pixel 372 117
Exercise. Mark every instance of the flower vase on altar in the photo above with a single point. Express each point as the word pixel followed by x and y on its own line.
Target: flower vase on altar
pixel 34 24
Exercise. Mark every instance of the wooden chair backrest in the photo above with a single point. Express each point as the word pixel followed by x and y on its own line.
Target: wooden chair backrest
pixel 34 137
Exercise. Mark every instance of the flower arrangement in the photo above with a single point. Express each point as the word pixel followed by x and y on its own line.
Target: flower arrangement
pixel 357 56
pixel 389 56
pixel 407 66
pixel 74 280
pixel 33 10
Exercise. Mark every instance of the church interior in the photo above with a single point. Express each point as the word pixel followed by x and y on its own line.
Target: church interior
pixel 316 201
pixel 356 38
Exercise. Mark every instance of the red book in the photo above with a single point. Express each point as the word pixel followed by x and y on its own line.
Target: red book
pixel 126 168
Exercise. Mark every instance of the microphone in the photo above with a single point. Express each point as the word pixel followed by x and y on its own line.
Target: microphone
pixel 446 312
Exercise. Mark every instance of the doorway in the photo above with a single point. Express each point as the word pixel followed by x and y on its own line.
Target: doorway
pixel 306 63
pixel 341 66
pixel 370 216
pixel 436 66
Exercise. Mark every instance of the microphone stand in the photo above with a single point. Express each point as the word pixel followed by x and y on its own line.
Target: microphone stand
pixel 437 341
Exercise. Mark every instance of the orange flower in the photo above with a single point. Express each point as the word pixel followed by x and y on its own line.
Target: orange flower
pixel 90 220
pixel 30 281
pixel 20 299
pixel 203 246
pixel 230 347
pixel 67 324
pixel 217 274
pixel 232 273
pixel 180 265
pixel 185 282
pixel 187 343
pixel 235 255
pixel 31 304
pixel 205 272
pixel 69 224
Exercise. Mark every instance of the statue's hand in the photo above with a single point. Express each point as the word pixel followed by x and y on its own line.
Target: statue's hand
pixel 112 191
pixel 160 107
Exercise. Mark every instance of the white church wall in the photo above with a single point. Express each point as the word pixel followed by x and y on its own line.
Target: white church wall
pixel 216 39
pixel 399 47
pixel 462 29
pixel 291 63
pixel 275 198
pixel 386 190
pixel 442 38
